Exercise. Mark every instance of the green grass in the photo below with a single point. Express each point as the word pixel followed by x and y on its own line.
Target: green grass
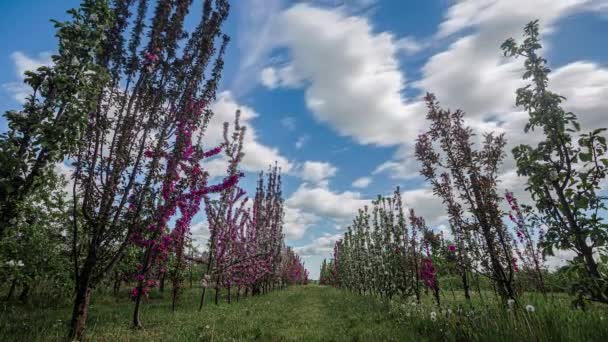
pixel 310 313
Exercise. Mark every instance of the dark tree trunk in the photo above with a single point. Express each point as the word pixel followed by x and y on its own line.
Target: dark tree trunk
pixel 465 285
pixel 80 312
pixel 200 307
pixel 136 319
pixel 117 283
pixel 84 287
pixel 161 285
pixel 25 292
pixel 11 290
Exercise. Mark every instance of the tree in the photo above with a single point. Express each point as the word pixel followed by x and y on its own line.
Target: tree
pixel 563 175
pixel 474 174
pixel 52 122
pixel 155 88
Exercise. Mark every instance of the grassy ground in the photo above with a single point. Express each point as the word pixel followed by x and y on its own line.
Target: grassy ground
pixel 310 313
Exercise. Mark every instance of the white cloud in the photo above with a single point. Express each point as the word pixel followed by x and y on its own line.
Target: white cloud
pixel 297 222
pixel 362 182
pixel 200 233
pixel 317 172
pixel 323 202
pixel 353 79
pixel 321 246
pixel 425 204
pixel 409 45
pixel 24 63
pixel 285 76
pixel 257 155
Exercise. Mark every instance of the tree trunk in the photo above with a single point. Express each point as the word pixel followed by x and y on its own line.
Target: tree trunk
pixel 84 287
pixel 24 293
pixel 117 282
pixel 200 307
pixel 80 311
pixel 161 285
pixel 136 320
pixel 11 290
pixel 465 285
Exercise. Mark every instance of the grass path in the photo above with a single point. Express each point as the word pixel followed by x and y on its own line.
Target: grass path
pixel 308 313
pixel 304 313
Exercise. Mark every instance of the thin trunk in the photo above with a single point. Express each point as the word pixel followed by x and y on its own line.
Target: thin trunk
pixel 23 297
pixel 200 307
pixel 161 285
pixel 136 319
pixel 465 285
pixel 117 283
pixel 11 290
pixel 80 312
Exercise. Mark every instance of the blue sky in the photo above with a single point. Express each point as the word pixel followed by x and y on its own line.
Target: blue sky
pixel 331 89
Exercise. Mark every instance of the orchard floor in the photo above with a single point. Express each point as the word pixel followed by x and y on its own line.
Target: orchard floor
pixel 299 313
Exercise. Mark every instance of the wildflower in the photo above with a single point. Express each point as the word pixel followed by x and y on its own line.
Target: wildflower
pixel 451 248
pixel 530 308
pixel 433 316
pixel 510 302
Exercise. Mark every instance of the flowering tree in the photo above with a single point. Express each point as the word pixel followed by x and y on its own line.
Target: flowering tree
pixel 474 174
pixel 293 271
pixel 184 185
pixel 428 272
pixel 379 255
pixel 527 239
pixel 155 94
pixel 563 176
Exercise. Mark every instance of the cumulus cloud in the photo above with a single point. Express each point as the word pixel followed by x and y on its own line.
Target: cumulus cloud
pixel 24 63
pixel 326 203
pixel 317 172
pixel 286 76
pixel 257 155
pixel 200 233
pixel 409 45
pixel 353 81
pixel 297 222
pixel 362 182
pixel 321 246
